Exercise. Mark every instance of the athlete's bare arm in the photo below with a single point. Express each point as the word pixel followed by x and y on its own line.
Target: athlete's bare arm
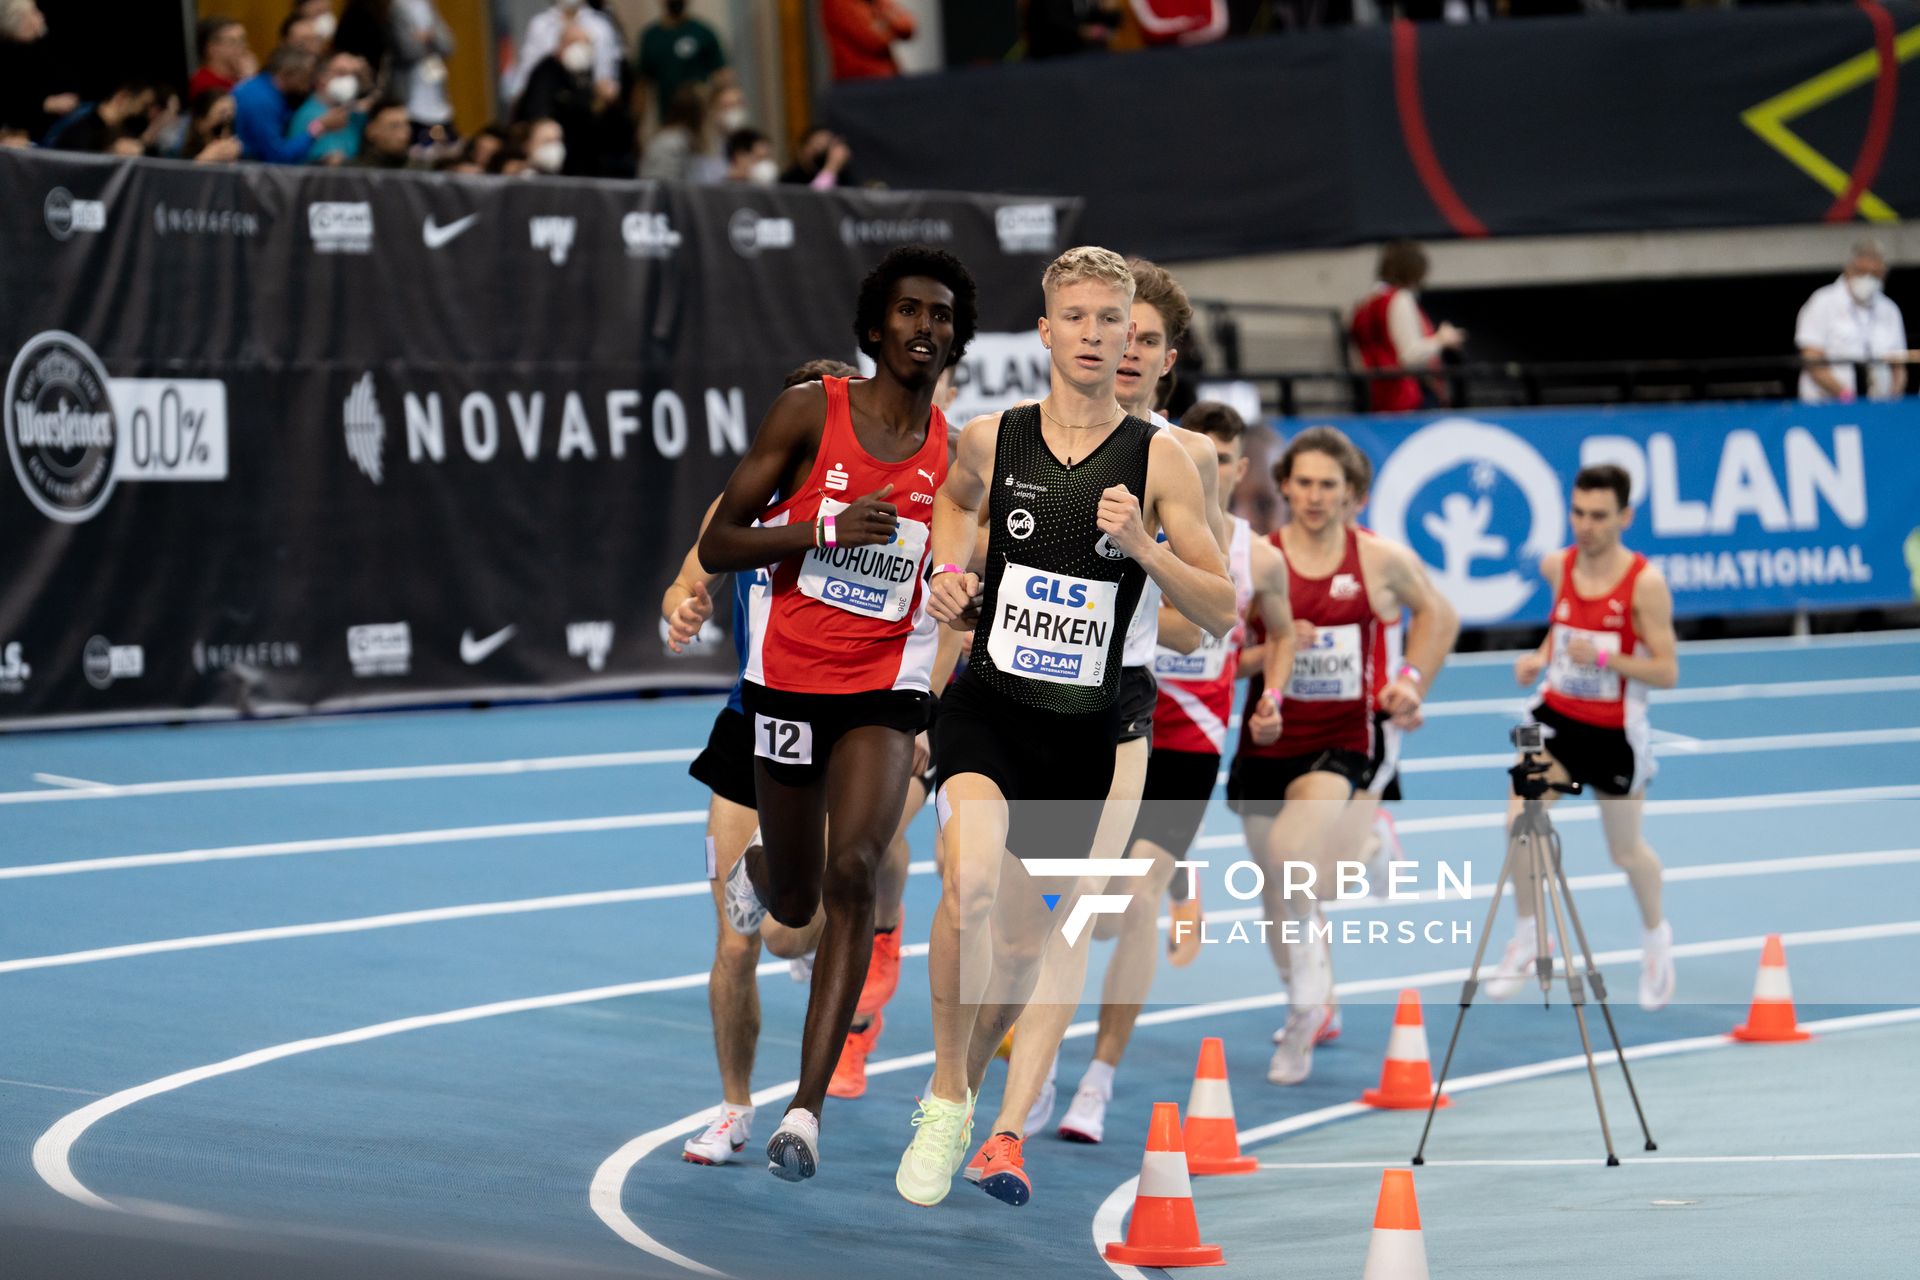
pixel 1655 662
pixel 956 522
pixel 778 462
pixel 1527 669
pixel 1275 605
pixel 1187 567
pixel 1177 631
pixel 1430 634
pixel 1207 462
pixel 688 601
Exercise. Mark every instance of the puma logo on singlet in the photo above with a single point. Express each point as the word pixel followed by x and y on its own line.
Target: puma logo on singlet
pixel 924 472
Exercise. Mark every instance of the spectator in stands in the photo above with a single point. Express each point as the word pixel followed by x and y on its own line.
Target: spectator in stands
pixel 303 33
pixel 480 149
pixel 545 33
pixel 1392 332
pixel 345 81
pixel 419 44
pixel 387 142
pixel 14 136
pixel 366 29
pixel 225 59
pixel 672 150
pixel 679 49
pixel 105 126
pixel 860 35
pixel 1852 319
pixel 320 13
pixel 546 147
pixel 599 133
pixel 821 161
pixel 1183 22
pixel 1056 28
pixel 264 105
pixel 32 90
pixel 210 137
pixel 750 158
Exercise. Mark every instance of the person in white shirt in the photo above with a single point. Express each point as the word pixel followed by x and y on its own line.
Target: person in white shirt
pixel 546 32
pixel 1853 319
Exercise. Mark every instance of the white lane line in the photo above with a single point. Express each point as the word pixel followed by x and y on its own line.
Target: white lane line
pixel 1680 745
pixel 610 1179
pixel 1703 693
pixel 1113 1210
pixel 701 889
pixel 1588 813
pixel 335 844
pixel 1576 1161
pixel 50 1088
pixel 62 780
pixel 330 777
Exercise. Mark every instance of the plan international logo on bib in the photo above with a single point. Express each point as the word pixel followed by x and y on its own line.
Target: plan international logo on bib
pixel 1041 662
pixel 857 595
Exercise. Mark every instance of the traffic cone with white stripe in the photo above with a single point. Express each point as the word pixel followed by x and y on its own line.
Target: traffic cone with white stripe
pixel 1406 1079
pixel 1163 1231
pixel 1213 1140
pixel 1397 1250
pixel 1770 1018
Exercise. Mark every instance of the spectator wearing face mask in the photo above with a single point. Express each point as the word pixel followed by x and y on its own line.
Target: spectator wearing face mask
pixel 387 141
pixel 345 81
pixel 547 30
pixel 750 158
pixel 225 59
pixel 33 88
pixel 546 147
pixel 679 49
pixel 264 107
pixel 304 33
pixel 561 89
pixel 1852 319
pixel 419 43
pixel 821 162
pixel 103 126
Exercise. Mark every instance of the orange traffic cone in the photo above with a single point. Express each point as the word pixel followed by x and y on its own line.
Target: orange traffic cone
pixel 1397 1250
pixel 1406 1080
pixel 1771 1016
pixel 1213 1141
pixel 1163 1231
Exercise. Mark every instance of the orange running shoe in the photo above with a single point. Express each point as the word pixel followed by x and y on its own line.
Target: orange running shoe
pixel 1000 1170
pixel 850 1073
pixel 883 974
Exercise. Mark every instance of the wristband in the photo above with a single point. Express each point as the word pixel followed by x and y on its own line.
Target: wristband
pixel 1600 659
pixel 827 538
pixel 942 568
pixel 817 545
pixel 1409 671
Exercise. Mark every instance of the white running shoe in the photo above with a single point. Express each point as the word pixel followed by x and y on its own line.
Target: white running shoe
pixel 1387 849
pixel 1657 978
pixel 745 911
pixel 1516 967
pixel 1042 1110
pixel 1086 1118
pixel 1293 1053
pixel 801 969
pixel 793 1153
pixel 729 1130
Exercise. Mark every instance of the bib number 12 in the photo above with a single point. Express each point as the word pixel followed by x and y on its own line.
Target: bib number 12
pixel 783 741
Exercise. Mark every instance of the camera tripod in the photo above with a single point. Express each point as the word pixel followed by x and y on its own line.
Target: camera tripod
pixel 1532 842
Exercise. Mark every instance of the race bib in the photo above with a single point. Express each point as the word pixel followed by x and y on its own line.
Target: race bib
pixel 1572 679
pixel 783 741
pixel 875 581
pixel 1205 664
pixel 1328 670
pixel 1052 627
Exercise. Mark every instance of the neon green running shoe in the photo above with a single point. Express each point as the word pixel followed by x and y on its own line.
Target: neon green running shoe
pixel 942 1133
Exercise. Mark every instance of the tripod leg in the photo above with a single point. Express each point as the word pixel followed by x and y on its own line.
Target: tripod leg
pixel 1576 991
pixel 1467 991
pixel 1599 986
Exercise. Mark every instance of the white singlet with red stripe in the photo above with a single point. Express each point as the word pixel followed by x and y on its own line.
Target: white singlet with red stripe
pixel 849 619
pixel 1143 628
pixel 1588 692
pixel 1196 689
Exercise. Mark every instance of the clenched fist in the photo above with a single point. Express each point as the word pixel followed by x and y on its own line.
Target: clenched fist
pixel 1120 521
pixel 954 598
pixel 1265 725
pixel 868 521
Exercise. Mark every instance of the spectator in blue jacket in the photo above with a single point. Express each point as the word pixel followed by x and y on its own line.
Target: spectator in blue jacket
pixel 264 105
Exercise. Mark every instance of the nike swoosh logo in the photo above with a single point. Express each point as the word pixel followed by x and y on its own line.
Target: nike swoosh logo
pixel 476 651
pixel 437 236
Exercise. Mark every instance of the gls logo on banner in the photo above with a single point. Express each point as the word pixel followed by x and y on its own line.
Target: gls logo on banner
pixel 749 233
pixel 649 235
pixel 14 669
pixel 1089 905
pixel 554 235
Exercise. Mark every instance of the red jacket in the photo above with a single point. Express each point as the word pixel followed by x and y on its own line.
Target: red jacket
pixel 861 33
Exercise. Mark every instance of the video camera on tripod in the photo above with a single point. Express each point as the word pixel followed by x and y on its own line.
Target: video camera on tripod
pixel 1529 773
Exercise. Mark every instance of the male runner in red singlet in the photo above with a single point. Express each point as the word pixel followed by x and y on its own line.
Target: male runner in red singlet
pixel 1292 793
pixel 838 682
pixel 1611 639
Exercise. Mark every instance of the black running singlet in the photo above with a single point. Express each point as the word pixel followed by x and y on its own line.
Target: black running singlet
pixel 1058 593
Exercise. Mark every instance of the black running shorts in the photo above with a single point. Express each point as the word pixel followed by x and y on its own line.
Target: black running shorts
pixel 794 733
pixel 1139 693
pixel 1601 758
pixel 1179 785
pixel 725 765
pixel 1257 785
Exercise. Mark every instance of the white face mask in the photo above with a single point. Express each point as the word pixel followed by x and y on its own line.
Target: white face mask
pixel 763 173
pixel 549 157
pixel 343 89
pixel 577 58
pixel 1864 289
pixel 325 25
pixel 733 118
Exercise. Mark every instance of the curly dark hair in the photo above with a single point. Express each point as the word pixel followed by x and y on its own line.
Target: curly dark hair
pixel 917 260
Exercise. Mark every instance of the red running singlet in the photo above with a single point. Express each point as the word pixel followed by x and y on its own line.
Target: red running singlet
pixel 1330 698
pixel 1591 693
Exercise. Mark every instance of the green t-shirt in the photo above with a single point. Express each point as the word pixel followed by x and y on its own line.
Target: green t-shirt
pixel 673 56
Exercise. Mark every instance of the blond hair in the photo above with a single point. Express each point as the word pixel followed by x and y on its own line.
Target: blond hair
pixel 1089 262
